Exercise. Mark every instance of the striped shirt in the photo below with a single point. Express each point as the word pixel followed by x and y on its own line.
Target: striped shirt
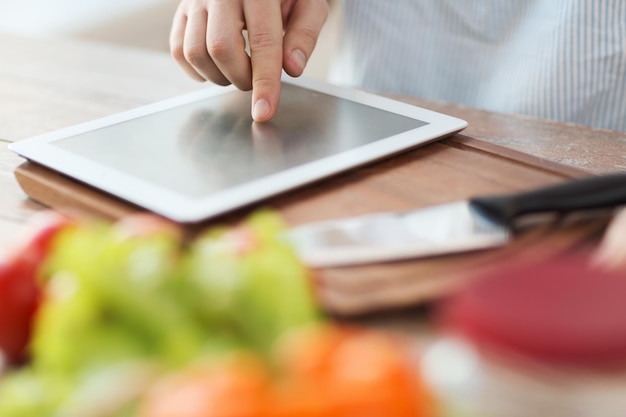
pixel 561 60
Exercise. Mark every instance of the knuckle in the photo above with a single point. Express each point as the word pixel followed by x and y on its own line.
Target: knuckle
pixel 177 52
pixel 324 8
pixel 219 48
pixel 195 54
pixel 307 35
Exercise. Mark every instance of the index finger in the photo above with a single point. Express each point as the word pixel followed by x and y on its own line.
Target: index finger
pixel 265 34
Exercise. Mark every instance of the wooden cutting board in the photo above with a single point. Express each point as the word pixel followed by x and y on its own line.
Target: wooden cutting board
pixel 455 168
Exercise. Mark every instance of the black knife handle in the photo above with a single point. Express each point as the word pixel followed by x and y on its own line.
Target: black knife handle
pixel 602 191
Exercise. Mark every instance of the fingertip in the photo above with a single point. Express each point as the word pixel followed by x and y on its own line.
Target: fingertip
pixel 262 110
pixel 265 98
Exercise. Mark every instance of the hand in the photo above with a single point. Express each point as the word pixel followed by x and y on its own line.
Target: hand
pixel 207 41
pixel 611 253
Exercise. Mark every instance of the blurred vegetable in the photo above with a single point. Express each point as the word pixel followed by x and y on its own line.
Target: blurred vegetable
pixel 333 371
pixel 118 296
pixel 19 297
pixel 249 279
pixel 19 289
pixel 320 371
pixel 224 325
pixel 134 292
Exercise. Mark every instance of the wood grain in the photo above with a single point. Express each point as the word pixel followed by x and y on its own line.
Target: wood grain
pixel 48 85
pixel 593 150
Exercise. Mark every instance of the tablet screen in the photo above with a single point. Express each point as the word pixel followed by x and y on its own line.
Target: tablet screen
pixel 212 144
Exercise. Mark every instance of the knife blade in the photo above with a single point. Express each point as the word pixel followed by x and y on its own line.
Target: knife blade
pixel 478 223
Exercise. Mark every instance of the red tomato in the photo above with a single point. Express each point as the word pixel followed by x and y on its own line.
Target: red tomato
pixel 19 289
pixel 19 298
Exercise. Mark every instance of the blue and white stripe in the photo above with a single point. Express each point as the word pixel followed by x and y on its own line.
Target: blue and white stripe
pixel 561 60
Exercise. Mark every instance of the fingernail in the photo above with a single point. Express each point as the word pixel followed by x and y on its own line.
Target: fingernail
pixel 261 109
pixel 299 57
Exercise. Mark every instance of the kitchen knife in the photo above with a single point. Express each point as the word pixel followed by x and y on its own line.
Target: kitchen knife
pixel 477 223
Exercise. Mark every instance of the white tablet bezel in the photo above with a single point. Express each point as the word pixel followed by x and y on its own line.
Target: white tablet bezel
pixel 187 209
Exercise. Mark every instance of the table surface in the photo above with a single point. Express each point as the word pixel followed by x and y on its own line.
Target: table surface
pixel 51 84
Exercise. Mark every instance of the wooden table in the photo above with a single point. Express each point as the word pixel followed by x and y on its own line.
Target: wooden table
pixel 46 85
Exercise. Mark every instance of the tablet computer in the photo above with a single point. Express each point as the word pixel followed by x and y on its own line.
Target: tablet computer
pixel 200 155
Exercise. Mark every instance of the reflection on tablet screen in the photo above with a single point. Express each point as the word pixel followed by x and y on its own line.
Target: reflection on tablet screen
pixel 213 144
